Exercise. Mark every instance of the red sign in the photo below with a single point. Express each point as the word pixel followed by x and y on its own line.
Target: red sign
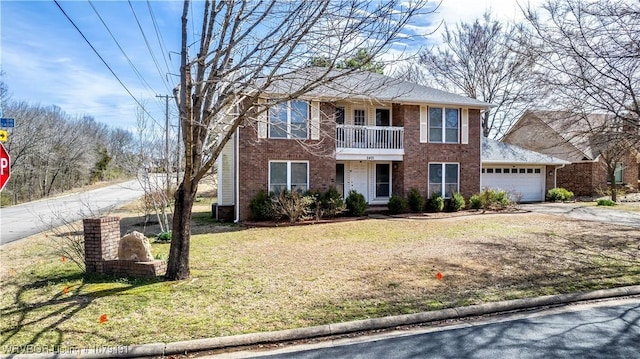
pixel 5 166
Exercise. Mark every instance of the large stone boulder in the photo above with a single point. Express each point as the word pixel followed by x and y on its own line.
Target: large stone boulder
pixel 135 247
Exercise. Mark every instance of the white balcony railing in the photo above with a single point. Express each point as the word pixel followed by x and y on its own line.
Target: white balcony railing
pixel 370 137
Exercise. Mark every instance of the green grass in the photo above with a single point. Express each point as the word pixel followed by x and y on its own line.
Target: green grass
pixel 263 279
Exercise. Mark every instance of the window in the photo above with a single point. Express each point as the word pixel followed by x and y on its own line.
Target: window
pixel 339 115
pixel 443 179
pixel 617 174
pixel 444 125
pixel 383 117
pixel 383 180
pixel 292 176
pixel 359 117
pixel 289 119
pixel 340 178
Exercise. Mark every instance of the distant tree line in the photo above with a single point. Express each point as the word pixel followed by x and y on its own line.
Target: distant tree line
pixel 52 151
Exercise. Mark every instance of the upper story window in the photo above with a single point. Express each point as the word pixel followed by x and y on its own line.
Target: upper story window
pixel 339 115
pixel 289 119
pixel 444 125
pixel 359 117
pixel 383 117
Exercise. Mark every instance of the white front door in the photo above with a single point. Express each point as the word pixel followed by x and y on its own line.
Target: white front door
pixel 358 178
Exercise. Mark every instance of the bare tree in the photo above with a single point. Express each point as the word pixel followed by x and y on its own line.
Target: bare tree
pixel 243 48
pixel 588 55
pixel 484 60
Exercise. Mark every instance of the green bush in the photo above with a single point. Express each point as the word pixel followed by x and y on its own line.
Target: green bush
pixel 292 205
pixel 456 203
pixel 606 202
pixel 164 237
pixel 356 204
pixel 490 199
pixel 559 194
pixel 332 202
pixel 435 203
pixel 475 202
pixel 397 204
pixel 260 206
pixel 415 200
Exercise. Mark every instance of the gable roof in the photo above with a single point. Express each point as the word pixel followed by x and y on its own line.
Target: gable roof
pixel 499 152
pixel 587 134
pixel 365 85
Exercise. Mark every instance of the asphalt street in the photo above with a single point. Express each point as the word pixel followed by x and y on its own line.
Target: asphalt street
pixel 609 329
pixel 17 222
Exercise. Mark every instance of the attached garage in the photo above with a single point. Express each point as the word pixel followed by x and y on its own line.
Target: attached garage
pixel 525 183
pixel 524 174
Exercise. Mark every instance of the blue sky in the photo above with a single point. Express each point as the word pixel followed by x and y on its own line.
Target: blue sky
pixel 46 61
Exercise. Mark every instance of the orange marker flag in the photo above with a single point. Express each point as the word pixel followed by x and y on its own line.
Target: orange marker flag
pixel 103 318
pixel 439 276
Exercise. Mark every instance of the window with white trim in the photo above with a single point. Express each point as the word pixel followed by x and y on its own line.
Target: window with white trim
pixel 444 179
pixel 617 174
pixel 289 119
pixel 444 125
pixel 289 175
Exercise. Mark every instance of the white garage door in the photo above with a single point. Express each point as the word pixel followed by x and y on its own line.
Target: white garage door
pixel 526 184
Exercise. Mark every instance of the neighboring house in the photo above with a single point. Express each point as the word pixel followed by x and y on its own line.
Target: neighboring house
pixel 365 132
pixel 579 141
pixel 526 175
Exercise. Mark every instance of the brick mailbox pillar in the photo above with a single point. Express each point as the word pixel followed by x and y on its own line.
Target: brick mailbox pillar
pixel 101 239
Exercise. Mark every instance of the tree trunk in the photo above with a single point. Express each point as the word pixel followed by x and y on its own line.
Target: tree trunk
pixel 613 187
pixel 178 265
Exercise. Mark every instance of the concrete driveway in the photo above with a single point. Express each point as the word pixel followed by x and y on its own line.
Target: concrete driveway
pixel 586 212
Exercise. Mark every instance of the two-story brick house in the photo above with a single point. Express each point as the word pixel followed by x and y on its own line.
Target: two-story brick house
pixel 365 132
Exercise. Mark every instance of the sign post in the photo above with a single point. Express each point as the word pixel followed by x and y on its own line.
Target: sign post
pixel 5 166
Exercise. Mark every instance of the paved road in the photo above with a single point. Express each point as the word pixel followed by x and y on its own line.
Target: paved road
pixel 599 330
pixel 588 213
pixel 17 222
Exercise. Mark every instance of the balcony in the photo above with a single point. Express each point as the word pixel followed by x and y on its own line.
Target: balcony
pixel 369 143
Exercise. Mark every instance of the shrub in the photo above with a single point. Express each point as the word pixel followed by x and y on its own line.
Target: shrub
pixel 397 204
pixel 559 194
pixel 436 203
pixel 490 199
pixel 260 206
pixel 475 202
pixel 356 203
pixel 292 205
pixel 415 200
pixel 164 237
pixel 332 202
pixel 606 202
pixel 457 202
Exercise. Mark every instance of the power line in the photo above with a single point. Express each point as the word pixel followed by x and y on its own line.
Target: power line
pixel 161 43
pixel 135 69
pixel 105 63
pixel 153 57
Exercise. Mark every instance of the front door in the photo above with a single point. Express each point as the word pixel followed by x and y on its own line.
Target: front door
pixel 359 180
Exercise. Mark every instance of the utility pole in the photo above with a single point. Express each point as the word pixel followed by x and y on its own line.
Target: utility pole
pixel 166 148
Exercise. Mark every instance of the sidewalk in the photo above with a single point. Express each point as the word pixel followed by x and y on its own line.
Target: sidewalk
pixel 284 336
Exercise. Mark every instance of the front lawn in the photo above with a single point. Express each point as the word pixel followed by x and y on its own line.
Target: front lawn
pixel 263 279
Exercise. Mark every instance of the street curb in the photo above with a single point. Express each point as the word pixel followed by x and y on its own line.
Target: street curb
pixel 184 347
